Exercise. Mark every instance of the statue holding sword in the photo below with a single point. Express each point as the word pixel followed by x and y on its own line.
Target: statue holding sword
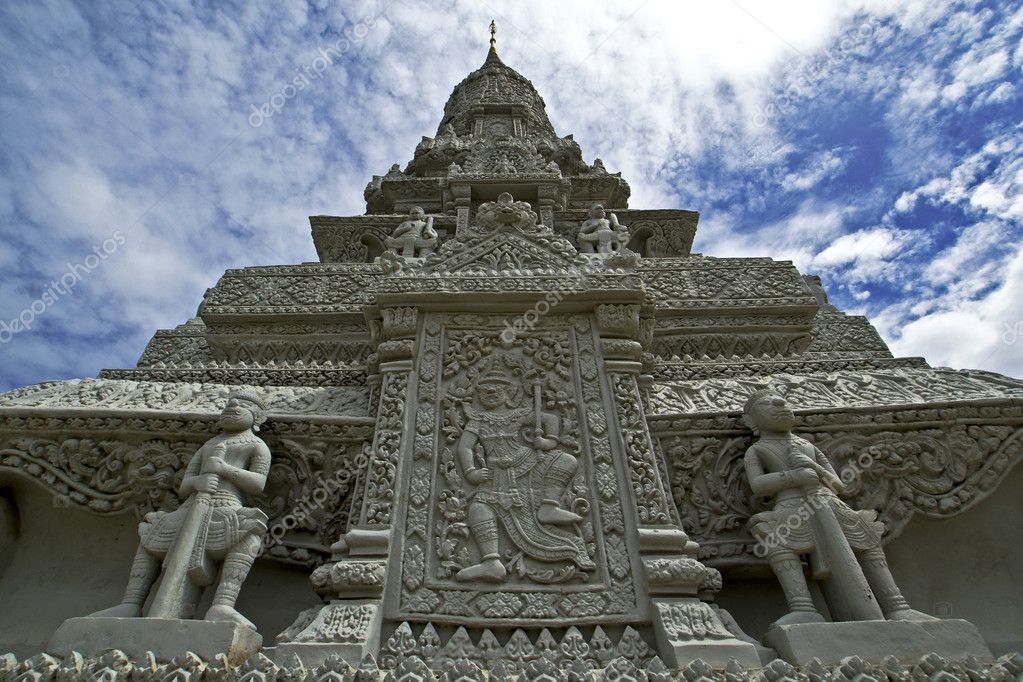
pixel 211 527
pixel 808 518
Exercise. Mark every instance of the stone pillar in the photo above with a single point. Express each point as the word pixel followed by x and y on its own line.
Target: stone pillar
pixel 547 198
pixel 463 204
pixel 685 624
pixel 352 583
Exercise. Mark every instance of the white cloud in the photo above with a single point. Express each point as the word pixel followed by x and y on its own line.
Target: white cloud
pixel 965 256
pixel 982 333
pixel 822 166
pixel 975 69
pixel 163 94
pixel 797 238
pixel 863 247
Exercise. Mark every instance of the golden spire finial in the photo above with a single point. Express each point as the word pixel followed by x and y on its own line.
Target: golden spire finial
pixel 493 35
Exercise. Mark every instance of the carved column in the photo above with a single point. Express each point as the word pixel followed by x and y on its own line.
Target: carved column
pixel 685 624
pixel 547 198
pixel 352 583
pixel 463 202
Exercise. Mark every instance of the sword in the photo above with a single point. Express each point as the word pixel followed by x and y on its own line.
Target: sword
pixel 186 562
pixel 833 559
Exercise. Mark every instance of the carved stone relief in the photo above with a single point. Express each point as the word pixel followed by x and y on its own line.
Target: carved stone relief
pixel 513 510
pixel 152 395
pixel 307 497
pixel 888 464
pixel 894 386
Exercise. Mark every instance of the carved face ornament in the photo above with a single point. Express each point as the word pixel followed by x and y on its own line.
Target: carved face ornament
pixel 506 212
pixel 236 416
pixel 597 212
pixel 493 394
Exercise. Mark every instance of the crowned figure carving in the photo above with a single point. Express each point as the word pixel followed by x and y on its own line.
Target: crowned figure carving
pixel 518 469
pixel 809 519
pixel 213 526
pixel 415 237
pixel 600 234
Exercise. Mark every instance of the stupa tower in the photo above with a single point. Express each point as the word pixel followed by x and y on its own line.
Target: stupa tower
pixel 515 426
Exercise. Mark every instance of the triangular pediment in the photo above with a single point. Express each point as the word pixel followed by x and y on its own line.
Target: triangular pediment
pixel 507 252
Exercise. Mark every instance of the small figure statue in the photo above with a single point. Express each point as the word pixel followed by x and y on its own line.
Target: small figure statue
pixel 414 238
pixel 518 481
pixel 212 526
pixel 808 518
pixel 600 235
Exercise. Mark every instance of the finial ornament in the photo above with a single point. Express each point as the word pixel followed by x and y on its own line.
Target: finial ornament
pixel 493 35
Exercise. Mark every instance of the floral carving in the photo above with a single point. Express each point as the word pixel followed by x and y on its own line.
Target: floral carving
pixel 499 604
pixel 650 492
pixel 379 496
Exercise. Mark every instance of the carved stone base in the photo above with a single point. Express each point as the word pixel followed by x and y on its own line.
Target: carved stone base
pixel 874 640
pixel 687 629
pixel 167 638
pixel 347 628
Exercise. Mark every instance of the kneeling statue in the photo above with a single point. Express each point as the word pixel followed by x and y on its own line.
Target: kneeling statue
pixel 808 518
pixel 598 234
pixel 211 527
pixel 415 237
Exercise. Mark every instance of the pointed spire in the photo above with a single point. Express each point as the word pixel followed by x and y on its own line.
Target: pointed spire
pixel 492 54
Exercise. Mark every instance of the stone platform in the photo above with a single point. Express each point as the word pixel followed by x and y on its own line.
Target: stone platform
pixel 874 640
pixel 167 638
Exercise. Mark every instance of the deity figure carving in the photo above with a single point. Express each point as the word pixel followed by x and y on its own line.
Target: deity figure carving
pixel 414 238
pixel 808 518
pixel 598 234
pixel 519 469
pixel 212 526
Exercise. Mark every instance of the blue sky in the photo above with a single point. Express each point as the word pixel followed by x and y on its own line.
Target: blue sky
pixel 874 143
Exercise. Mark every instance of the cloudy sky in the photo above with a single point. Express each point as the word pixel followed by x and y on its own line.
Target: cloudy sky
pixel 876 143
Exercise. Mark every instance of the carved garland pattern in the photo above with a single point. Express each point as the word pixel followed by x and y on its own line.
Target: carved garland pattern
pixel 520 653
pixel 647 487
pixel 907 386
pixel 192 397
pixel 379 499
pixel 543 661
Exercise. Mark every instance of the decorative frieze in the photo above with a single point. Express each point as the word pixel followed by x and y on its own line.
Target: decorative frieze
pixel 957 456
